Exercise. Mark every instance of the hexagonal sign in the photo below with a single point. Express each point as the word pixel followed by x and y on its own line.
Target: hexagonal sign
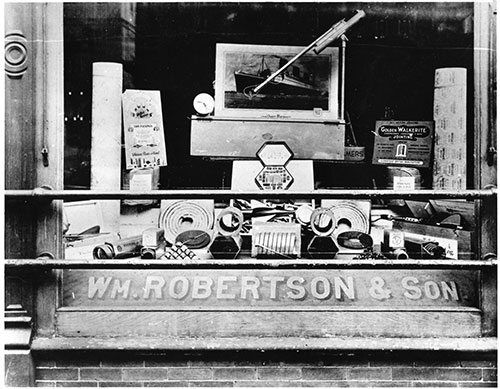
pixel 274 178
pixel 275 154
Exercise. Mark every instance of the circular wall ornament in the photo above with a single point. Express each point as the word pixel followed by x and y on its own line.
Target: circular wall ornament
pixel 16 54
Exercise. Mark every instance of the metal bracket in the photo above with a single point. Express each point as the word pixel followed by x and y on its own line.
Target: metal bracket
pixel 489 257
pixel 490 156
pixel 45 156
pixel 45 255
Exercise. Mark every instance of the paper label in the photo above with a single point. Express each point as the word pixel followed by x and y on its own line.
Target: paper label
pixel 404 183
pixel 145 135
pixel 396 239
pixel 141 182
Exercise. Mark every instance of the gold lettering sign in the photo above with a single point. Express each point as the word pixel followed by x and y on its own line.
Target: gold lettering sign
pixel 284 289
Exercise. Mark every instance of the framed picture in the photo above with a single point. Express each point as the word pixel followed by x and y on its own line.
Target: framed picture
pixel 307 90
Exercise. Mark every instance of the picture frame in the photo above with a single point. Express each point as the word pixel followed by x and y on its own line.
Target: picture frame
pixel 308 90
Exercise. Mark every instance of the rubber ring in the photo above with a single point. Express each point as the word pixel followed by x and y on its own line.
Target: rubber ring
pixel 354 240
pixel 235 228
pixel 193 239
pixel 103 251
pixel 318 216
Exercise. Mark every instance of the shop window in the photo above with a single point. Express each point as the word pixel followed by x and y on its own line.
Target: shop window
pixel 390 73
pixel 347 235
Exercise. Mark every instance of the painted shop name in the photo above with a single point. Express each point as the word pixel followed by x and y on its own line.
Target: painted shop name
pixel 269 287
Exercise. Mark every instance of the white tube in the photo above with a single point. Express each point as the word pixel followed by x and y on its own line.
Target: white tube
pixel 450 140
pixel 105 161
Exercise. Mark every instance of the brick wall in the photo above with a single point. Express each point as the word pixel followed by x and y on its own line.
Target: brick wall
pixel 289 368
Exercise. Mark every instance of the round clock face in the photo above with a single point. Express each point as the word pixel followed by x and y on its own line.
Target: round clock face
pixel 204 104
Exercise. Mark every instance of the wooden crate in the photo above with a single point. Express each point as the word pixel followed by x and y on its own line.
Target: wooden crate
pixel 224 138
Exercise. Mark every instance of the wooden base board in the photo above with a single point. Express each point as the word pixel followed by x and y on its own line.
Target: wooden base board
pixel 268 324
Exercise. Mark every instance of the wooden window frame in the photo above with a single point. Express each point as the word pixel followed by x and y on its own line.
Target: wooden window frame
pixel 48 123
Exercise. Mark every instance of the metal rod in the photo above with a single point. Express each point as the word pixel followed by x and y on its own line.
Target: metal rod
pixel 245 262
pixel 424 194
pixel 281 69
pixel 337 30
pixel 342 78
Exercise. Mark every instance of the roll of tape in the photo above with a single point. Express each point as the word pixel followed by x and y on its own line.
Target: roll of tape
pixel 350 214
pixel 229 222
pixel 182 215
pixel 323 222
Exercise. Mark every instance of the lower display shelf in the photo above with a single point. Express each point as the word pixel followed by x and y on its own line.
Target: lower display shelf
pixel 228 305
pixel 488 344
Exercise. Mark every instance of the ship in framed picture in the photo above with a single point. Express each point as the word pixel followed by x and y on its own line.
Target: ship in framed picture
pixel 305 90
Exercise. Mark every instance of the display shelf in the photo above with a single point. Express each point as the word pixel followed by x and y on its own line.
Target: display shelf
pixel 248 263
pixel 264 119
pixel 320 161
pixel 218 194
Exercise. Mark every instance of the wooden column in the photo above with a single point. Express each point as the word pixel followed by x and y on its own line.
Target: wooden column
pixel 19 124
pixel 34 124
pixel 34 152
pixel 484 149
pixel 49 122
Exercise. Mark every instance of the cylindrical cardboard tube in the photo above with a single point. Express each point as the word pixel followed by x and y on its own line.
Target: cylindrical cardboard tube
pixel 105 162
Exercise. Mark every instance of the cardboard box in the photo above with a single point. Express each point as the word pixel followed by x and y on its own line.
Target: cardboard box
pixel 459 244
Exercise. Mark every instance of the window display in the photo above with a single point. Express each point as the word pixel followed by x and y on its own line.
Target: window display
pixel 253 105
